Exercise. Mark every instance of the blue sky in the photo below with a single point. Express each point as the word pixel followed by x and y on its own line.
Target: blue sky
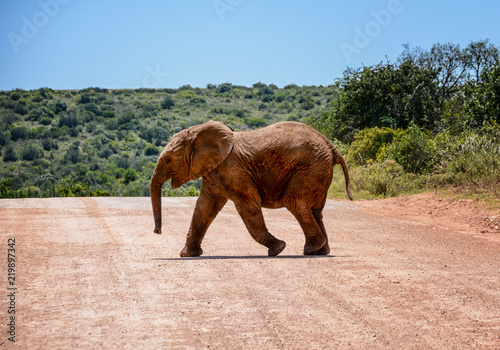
pixel 74 44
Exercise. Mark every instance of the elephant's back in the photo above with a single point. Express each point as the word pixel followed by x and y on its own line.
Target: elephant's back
pixel 285 145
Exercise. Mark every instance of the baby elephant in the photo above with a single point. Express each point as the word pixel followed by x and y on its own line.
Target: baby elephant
pixel 283 165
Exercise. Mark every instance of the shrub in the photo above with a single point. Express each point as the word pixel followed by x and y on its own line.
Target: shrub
pixel 85 99
pixel 31 152
pixel 474 159
pixel 19 108
pixel 45 121
pixel 73 155
pixel 130 175
pixel 105 151
pixel 18 133
pixel 307 105
pixel 9 154
pixel 70 188
pixel 69 119
pixel 280 97
pixel 256 122
pixel 92 107
pixel 151 150
pixel 49 144
pixel 381 178
pixel 368 143
pixel 225 87
pixel 60 107
pixel 168 102
pixel 108 112
pixel 4 138
pixel 412 149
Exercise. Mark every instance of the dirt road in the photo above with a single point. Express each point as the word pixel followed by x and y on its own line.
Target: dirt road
pixel 403 274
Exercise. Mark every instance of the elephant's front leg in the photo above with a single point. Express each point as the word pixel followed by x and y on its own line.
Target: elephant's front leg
pixel 254 221
pixel 207 208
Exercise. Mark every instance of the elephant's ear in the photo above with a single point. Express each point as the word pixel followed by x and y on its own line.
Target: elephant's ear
pixel 212 144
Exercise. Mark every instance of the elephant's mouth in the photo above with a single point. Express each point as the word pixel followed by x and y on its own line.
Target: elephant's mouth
pixel 176 181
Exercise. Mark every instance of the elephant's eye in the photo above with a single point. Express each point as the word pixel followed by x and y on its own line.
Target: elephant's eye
pixel 168 160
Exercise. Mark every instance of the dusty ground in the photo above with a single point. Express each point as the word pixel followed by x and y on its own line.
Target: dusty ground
pixel 417 272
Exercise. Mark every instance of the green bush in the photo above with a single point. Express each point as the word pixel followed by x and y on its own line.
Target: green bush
pixel 151 150
pixel 474 159
pixel 256 122
pixel 130 175
pixel 411 148
pixel 68 187
pixel 368 143
pixel 9 154
pixel 18 133
pixel 31 152
pixel 168 102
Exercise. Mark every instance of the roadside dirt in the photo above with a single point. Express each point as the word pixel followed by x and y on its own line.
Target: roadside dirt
pixel 418 272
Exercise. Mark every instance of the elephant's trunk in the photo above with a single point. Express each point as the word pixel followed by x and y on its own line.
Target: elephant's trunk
pixel 157 181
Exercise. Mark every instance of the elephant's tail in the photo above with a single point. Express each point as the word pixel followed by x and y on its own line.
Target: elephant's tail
pixel 340 160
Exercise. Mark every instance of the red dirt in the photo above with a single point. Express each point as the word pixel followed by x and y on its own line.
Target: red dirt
pixel 418 272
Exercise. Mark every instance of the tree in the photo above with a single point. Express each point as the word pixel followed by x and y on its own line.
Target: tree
pixel 416 89
pixel 151 150
pixel 225 87
pixel 130 175
pixel 18 133
pixel 168 102
pixel 49 144
pixel 105 151
pixel 256 122
pixel 60 107
pixel 69 119
pixel 385 95
pixel 84 98
pixel 9 154
pixel 452 65
pixel 73 155
pixel 159 135
pixel 31 152
pixel 482 100
pixel 481 55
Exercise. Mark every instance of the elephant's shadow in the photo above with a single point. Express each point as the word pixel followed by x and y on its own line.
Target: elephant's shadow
pixel 250 257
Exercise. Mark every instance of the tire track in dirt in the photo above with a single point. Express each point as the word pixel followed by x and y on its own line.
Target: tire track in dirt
pixel 138 290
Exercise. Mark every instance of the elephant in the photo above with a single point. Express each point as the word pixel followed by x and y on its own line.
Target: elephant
pixel 288 164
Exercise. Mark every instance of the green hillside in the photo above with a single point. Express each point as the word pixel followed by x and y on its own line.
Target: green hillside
pixel 105 142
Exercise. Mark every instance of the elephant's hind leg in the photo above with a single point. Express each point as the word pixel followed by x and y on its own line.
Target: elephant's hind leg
pixel 254 221
pixel 315 239
pixel 318 215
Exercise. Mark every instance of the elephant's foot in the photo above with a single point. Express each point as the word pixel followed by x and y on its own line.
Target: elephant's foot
pixel 276 248
pixel 315 246
pixel 186 252
pixel 325 250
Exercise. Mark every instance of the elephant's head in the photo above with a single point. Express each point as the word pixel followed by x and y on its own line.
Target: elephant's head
pixel 191 154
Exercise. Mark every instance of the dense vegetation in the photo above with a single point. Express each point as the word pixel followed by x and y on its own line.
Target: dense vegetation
pixel 428 120
pixel 106 142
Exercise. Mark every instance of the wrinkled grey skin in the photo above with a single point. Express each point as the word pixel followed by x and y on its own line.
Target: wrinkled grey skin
pixel 284 165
